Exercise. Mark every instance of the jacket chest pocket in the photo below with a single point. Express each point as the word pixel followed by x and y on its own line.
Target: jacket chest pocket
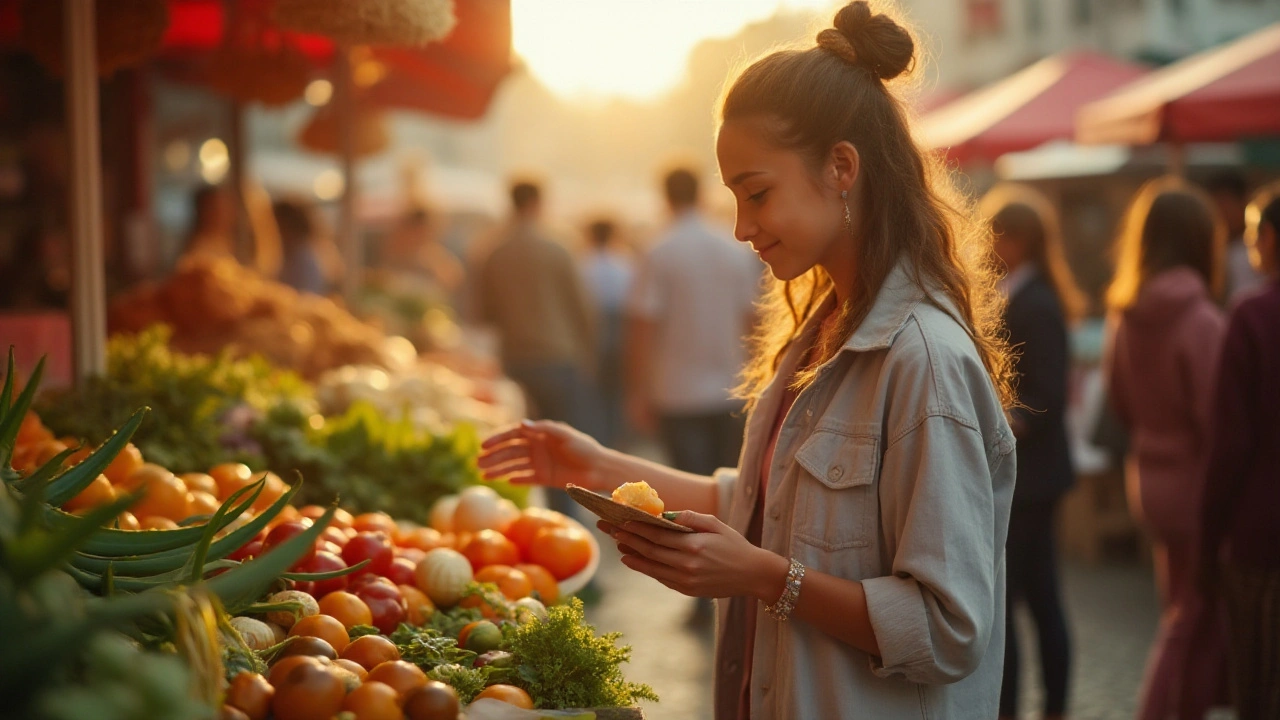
pixel 836 490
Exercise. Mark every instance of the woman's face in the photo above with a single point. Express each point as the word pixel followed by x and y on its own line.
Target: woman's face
pixel 793 220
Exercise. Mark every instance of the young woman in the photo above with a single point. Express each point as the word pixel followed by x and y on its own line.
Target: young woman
pixel 1160 368
pixel 1241 543
pixel 1043 299
pixel 858 549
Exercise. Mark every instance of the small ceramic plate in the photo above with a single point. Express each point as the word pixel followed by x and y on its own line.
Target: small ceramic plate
pixel 615 512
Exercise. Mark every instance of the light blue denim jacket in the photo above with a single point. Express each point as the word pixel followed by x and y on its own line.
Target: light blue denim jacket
pixel 894 468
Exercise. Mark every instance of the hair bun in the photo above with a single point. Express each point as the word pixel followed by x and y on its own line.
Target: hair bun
pixel 872 41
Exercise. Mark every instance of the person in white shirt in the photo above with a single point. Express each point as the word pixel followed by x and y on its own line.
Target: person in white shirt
pixel 609 272
pixel 691 308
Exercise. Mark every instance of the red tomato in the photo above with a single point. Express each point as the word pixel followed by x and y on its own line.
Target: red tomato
pixel 376 586
pixel 401 571
pixel 386 603
pixel 251 549
pixel 335 536
pixel 374 547
pixel 326 562
pixel 326 546
pixel 283 532
pixel 413 555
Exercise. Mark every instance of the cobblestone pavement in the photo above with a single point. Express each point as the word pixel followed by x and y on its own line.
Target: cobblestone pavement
pixel 1112 610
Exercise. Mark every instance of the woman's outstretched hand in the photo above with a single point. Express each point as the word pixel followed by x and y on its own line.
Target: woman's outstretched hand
pixel 544 453
pixel 716 561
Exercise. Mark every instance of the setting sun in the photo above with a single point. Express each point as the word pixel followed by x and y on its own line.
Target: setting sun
pixel 633 48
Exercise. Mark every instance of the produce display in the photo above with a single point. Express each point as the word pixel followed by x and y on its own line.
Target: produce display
pixel 280 611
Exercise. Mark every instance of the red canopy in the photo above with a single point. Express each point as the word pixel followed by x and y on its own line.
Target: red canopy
pixel 455 77
pixel 1026 109
pixel 1220 95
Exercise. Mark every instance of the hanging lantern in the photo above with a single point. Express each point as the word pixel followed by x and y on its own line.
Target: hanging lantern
pixel 410 23
pixel 128 32
pixel 321 133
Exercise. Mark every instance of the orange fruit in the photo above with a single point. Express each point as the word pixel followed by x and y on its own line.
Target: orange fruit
pixel 509 694
pixel 98 492
pixel 129 459
pixel 155 522
pixel 308 692
pixel 544 583
pixel 639 496
pixel 32 430
pixel 375 522
pixel 202 482
pixel 200 502
pixel 513 583
pixel 230 477
pixel 128 521
pixel 164 494
pixel 374 701
pixel 522 530
pixel 251 694
pixel 347 608
pixel 564 551
pixel 352 666
pixel 327 628
pixel 420 607
pixel 78 456
pixel 421 538
pixel 370 651
pixel 282 666
pixel 403 676
pixel 272 489
pixel 490 547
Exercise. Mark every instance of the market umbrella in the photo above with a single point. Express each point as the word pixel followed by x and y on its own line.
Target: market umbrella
pixel 1225 94
pixel 1026 109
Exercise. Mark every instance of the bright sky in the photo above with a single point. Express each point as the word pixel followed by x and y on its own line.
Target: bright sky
pixel 634 48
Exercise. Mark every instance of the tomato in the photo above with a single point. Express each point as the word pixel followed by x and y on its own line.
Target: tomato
pixel 413 555
pixel 347 608
pixel 124 464
pixel 375 522
pixel 98 492
pixel 272 489
pixel 525 527
pixel 200 502
pixel 334 535
pixel 164 495
pixel 352 666
pixel 128 521
pixel 401 571
pixel 251 694
pixel 370 651
pixel 374 701
pixel 513 583
pixel 326 562
pixel 403 676
pixel 308 692
pixel 509 694
pixel 327 628
pixel 283 532
pixel 230 477
pixel 419 607
pixel 544 583
pixel 308 645
pixel 490 547
pixel 251 549
pixel 200 482
pixel 388 611
pixel 373 547
pixel 283 665
pixel 433 701
pixel 422 538
pixel 466 631
pixel 155 522
pixel 564 551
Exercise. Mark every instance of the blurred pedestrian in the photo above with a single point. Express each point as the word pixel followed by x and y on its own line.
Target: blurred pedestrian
pixel 691 309
pixel 609 271
pixel 858 550
pixel 532 294
pixel 309 262
pixel 1241 545
pixel 1161 365
pixel 213 224
pixel 1230 193
pixel 414 248
pixel 1042 300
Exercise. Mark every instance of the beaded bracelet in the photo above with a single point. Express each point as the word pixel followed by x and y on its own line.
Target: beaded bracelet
pixel 781 609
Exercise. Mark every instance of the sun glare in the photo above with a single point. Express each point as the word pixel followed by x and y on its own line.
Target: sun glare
pixel 632 48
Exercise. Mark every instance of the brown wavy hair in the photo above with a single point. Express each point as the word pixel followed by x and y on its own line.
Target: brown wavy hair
pixel 838 90
pixel 1025 213
pixel 1169 223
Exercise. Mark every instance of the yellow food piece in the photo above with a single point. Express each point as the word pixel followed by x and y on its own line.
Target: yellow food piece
pixel 639 496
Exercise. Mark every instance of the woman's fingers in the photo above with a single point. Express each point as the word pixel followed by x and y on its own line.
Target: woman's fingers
pixel 664 574
pixel 673 539
pixel 652 550
pixel 503 455
pixel 515 432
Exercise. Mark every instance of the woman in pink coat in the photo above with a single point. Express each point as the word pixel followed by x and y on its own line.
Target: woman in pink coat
pixel 1161 367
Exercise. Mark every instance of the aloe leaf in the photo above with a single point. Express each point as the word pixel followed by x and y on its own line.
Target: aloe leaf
pixel 195 566
pixel 327 575
pixel 67 485
pixel 47 550
pixel 46 472
pixel 12 421
pixel 6 395
pixel 239 587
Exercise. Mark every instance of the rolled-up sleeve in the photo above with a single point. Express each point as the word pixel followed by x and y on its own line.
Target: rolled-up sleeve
pixel 933 616
pixel 726 480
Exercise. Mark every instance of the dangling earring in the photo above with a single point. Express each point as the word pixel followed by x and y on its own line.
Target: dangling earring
pixel 848 221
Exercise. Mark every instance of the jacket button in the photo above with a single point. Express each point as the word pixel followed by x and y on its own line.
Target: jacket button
pixel 764 689
pixel 808 412
pixel 751 490
pixel 776 514
pixel 732 667
pixel 836 472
